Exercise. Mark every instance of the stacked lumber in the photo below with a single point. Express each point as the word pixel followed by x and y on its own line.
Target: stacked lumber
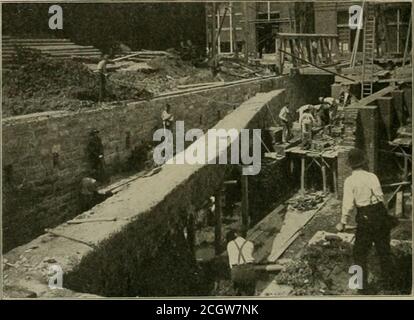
pixel 55 48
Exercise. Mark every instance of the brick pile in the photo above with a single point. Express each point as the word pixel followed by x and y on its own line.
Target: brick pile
pixel 350 127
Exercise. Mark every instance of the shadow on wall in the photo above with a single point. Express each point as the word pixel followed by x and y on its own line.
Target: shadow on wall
pixel 135 24
pixel 161 264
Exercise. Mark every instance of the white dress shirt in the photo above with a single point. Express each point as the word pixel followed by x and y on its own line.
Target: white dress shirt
pixel 166 118
pixel 102 66
pixel 361 189
pixel 234 252
pixel 331 101
pixel 301 110
pixel 284 113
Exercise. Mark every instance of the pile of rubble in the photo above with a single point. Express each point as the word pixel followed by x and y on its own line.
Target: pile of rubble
pixel 44 84
pixel 323 270
pixel 306 202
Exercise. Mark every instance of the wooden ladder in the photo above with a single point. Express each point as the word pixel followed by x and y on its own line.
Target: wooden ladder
pixel 368 54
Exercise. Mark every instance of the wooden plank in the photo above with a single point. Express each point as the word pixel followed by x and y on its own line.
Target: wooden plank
pixel 308 35
pixel 194 85
pixel 329 49
pixel 245 204
pixel 335 180
pixel 309 50
pixel 324 182
pixel 399 204
pixel 291 45
pixel 321 50
pixel 302 174
pixel 373 97
pixel 282 242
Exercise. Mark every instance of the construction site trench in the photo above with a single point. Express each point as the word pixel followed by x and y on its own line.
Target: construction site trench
pixel 155 242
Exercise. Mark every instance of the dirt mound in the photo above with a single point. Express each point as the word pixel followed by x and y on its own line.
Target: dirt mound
pixel 43 84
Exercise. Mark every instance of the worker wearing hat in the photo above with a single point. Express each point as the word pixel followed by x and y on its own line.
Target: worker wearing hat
pixel 102 73
pixel 285 118
pixel 306 123
pixel 240 254
pixel 362 190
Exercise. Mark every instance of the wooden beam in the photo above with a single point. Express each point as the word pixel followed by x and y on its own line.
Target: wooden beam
pixel 218 213
pixel 324 182
pixel 221 25
pixel 309 50
pixel 245 204
pixel 291 46
pixel 322 50
pixel 407 42
pixel 191 233
pixel 234 31
pixel 403 183
pixel 246 32
pixel 337 74
pixel 213 33
pixel 335 179
pixel 399 204
pixel 370 99
pixel 302 174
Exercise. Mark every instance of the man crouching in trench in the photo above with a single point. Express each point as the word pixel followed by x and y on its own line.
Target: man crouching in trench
pixel 243 274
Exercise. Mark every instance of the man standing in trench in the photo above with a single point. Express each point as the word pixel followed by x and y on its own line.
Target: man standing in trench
pixel 362 190
pixel 101 70
pixel 240 252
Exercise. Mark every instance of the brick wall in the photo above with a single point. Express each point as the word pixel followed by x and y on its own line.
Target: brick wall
pixel 115 258
pixel 325 18
pixel 369 135
pixel 40 191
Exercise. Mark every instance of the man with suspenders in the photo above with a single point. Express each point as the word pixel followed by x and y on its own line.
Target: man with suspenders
pixel 362 190
pixel 240 252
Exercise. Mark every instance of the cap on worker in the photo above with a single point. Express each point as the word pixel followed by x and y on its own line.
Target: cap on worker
pixel 356 158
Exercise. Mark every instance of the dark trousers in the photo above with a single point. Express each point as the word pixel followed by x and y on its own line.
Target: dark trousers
pixel 306 140
pixel 244 279
pixel 372 228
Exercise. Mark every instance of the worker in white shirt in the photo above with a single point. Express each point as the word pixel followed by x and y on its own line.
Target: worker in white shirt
pixel 102 73
pixel 167 117
pixel 89 194
pixel 362 190
pixel 240 252
pixel 285 117
pixel 344 96
pixel 314 46
pixel 307 122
